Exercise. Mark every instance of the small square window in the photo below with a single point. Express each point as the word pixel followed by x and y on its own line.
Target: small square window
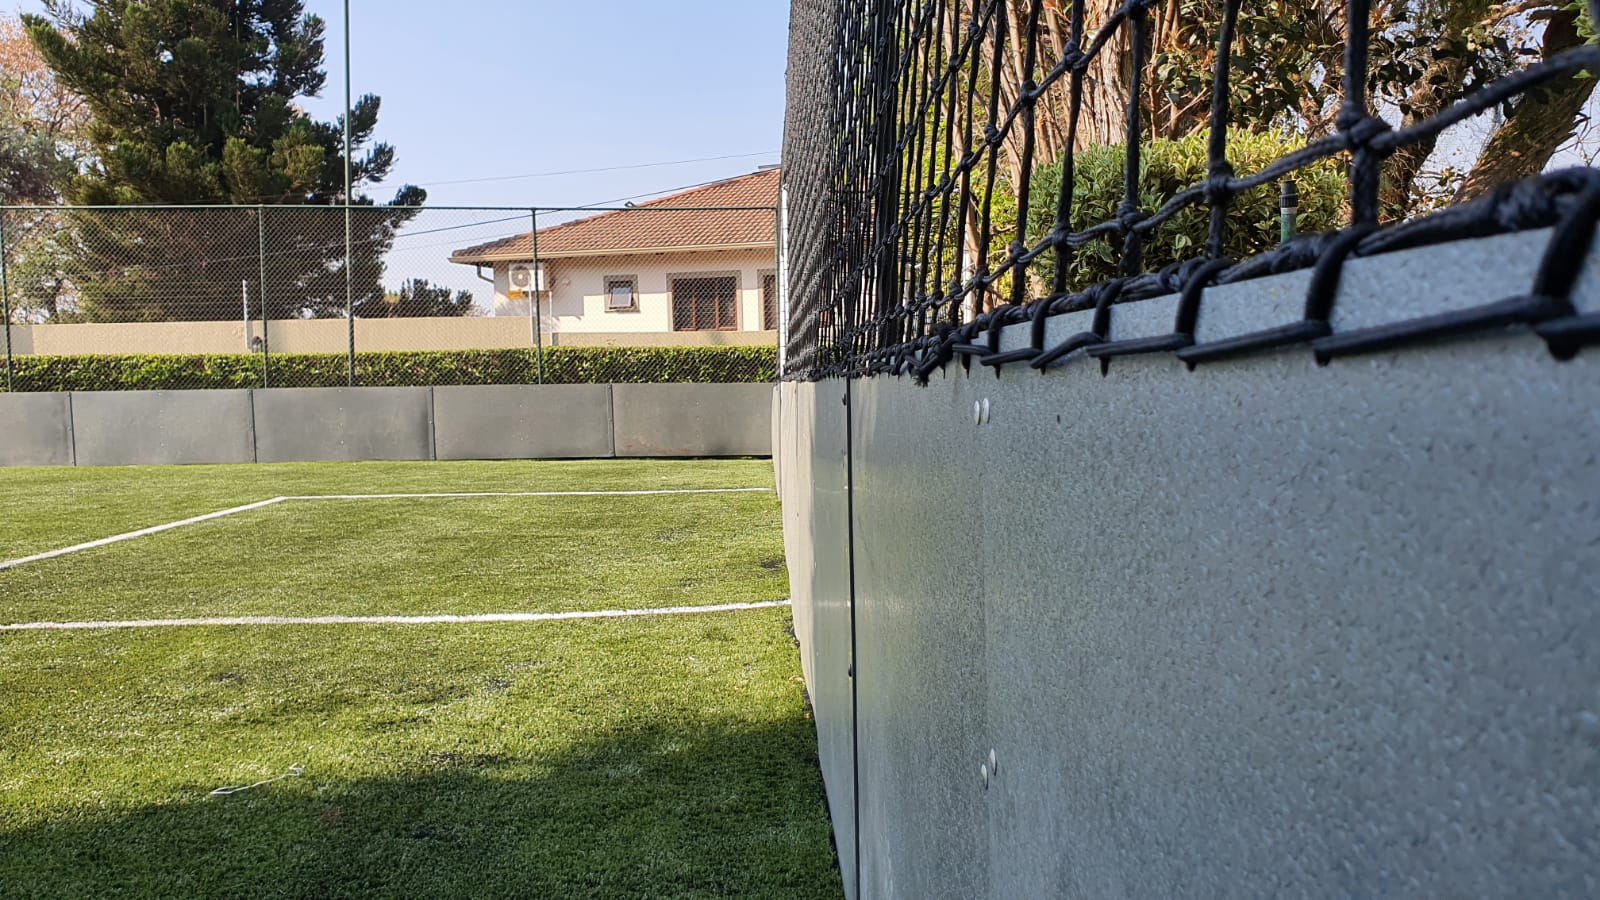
pixel 622 294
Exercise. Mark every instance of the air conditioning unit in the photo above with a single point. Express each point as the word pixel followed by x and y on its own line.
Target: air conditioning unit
pixel 525 277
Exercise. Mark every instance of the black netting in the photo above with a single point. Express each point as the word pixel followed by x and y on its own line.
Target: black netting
pixel 919 213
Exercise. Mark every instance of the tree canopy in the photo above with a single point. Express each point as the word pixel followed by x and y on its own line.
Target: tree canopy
pixel 197 102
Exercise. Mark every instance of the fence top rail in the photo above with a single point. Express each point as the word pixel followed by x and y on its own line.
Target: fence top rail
pixel 155 207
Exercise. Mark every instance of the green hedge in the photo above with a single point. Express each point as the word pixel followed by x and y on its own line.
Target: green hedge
pixel 562 365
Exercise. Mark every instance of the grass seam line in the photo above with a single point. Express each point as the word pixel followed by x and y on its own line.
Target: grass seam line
pixel 471 618
pixel 143 532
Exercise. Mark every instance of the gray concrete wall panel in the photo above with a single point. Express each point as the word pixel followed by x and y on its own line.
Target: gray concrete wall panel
pixel 812 477
pixel 1263 629
pixel 35 430
pixel 306 424
pixel 522 421
pixel 692 419
pixel 160 428
pixel 920 673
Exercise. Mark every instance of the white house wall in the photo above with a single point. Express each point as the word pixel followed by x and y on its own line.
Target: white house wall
pixel 577 299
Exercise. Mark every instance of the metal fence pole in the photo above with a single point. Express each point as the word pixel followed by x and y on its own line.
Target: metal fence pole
pixel 349 274
pixel 5 298
pixel 780 290
pixel 349 294
pixel 261 255
pixel 533 308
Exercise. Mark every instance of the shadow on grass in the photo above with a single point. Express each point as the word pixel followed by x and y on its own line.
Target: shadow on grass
pixel 685 809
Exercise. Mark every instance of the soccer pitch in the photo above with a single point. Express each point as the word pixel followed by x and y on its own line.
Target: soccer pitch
pixel 414 690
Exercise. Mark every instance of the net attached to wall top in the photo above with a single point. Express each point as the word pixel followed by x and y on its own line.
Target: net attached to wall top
pixel 946 167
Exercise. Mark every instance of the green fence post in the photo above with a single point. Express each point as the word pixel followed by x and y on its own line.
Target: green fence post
pixel 1288 210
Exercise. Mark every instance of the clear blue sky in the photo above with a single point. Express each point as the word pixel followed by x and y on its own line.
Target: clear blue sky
pixel 485 88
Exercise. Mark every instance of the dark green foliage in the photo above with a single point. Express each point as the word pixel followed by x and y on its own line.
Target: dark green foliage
pixel 1168 167
pixel 417 297
pixel 562 365
pixel 31 165
pixel 197 101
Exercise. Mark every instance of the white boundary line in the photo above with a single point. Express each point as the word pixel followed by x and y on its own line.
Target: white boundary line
pixel 156 529
pixel 532 494
pixel 393 620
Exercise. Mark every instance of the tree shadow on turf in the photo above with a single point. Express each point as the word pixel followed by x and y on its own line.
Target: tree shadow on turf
pixel 685 809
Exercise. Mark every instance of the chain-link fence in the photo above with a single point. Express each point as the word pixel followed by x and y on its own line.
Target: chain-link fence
pixel 119 298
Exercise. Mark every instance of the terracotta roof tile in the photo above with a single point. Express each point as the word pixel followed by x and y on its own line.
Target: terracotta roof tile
pixel 649 227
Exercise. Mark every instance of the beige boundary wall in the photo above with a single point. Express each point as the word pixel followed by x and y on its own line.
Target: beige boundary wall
pixel 331 336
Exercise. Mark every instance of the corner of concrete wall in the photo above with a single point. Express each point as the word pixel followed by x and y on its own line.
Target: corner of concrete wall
pixel 1265 628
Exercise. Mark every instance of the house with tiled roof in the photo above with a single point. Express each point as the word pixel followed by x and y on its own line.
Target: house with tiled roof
pixel 701 260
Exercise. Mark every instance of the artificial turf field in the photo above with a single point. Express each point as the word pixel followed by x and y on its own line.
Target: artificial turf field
pixel 662 756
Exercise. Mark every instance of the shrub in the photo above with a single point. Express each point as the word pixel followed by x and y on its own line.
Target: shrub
pixel 562 365
pixel 1167 167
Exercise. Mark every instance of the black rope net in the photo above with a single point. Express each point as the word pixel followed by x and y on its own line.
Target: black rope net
pixel 942 179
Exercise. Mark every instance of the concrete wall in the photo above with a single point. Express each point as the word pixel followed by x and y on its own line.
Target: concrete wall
pixel 143 428
pixel 692 419
pixel 308 424
pixel 1263 629
pixel 469 422
pixel 331 336
pixel 35 430
pixel 516 422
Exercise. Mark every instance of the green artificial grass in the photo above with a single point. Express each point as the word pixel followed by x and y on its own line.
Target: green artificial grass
pixel 45 508
pixel 650 757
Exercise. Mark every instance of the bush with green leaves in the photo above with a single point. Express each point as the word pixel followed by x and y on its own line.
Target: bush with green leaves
pixel 1165 169
pixel 562 365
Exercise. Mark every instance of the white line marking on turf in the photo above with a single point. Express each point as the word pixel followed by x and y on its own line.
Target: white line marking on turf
pixel 394 620
pixel 156 529
pixel 533 494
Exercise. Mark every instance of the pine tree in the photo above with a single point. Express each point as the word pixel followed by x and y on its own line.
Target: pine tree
pixel 195 102
pixel 418 297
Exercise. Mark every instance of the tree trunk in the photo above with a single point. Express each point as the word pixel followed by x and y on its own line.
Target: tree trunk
pixel 1539 125
pixel 1442 84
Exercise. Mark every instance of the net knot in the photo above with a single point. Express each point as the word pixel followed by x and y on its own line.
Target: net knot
pixel 1072 56
pixel 991 135
pixel 1219 184
pixel 1362 130
pixel 1129 217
